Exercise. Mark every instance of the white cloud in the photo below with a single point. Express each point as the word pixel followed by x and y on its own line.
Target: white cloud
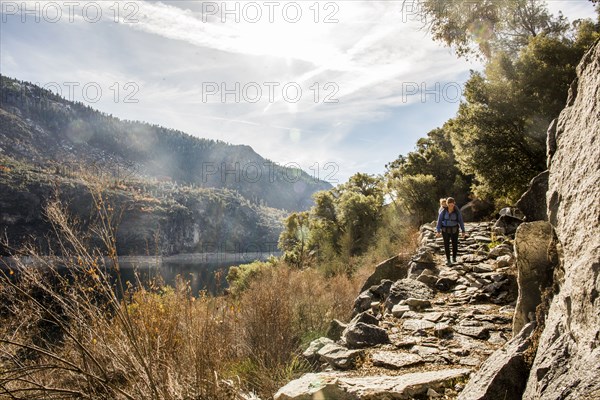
pixel 370 54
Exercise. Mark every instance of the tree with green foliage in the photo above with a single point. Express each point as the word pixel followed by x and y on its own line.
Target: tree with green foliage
pixel 499 133
pixel 294 239
pixel 482 28
pixel 342 221
pixel 418 194
pixel 359 205
pixel 416 181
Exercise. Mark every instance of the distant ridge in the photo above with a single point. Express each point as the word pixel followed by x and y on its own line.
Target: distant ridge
pixel 40 127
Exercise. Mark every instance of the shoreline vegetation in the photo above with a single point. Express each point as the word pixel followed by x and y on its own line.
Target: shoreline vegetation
pixel 84 335
pixel 248 257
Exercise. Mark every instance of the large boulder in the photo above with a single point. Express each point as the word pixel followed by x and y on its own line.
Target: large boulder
pixel 504 374
pixel 340 357
pixel 476 210
pixel 533 241
pixel 340 386
pixel 533 202
pixel 567 362
pixel 393 268
pixel 407 288
pixel 507 224
pixel 361 335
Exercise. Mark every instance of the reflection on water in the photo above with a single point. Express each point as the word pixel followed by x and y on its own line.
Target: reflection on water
pixel 202 276
pixel 202 271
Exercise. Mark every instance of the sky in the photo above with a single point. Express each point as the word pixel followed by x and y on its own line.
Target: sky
pixel 337 87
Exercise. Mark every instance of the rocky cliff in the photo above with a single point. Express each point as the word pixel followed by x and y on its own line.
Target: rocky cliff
pixel 567 362
pixel 558 261
pixel 153 218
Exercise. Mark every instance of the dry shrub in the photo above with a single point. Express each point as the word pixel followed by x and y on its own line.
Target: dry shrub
pixel 280 312
pixel 69 330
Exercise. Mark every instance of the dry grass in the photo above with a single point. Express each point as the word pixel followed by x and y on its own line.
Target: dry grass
pixel 68 330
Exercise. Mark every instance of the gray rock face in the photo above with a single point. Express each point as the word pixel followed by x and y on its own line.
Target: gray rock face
pixel 393 268
pixel 342 387
pixel 359 335
pixel 340 357
pixel 507 225
pixel 567 362
pixel 533 202
pixel 407 288
pixel 532 242
pixel 504 374
pixel 551 142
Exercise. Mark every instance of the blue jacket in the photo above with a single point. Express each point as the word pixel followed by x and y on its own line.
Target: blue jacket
pixel 448 219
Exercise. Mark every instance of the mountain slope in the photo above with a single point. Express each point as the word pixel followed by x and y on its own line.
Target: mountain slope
pixel 151 217
pixel 40 127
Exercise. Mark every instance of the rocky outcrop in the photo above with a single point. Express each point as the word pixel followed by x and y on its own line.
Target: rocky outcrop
pixel 535 265
pixel 567 362
pixel 159 219
pixel 503 375
pixel 533 202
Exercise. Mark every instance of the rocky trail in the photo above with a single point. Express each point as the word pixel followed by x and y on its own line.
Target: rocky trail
pixel 426 331
pixel 421 334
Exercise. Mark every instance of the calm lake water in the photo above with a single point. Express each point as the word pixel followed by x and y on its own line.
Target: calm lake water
pixel 206 271
pixel 203 271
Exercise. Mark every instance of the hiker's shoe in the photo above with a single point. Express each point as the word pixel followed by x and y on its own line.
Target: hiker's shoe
pixel 453 259
pixel 448 262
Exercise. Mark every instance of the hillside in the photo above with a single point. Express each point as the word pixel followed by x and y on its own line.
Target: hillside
pixel 152 217
pixel 44 129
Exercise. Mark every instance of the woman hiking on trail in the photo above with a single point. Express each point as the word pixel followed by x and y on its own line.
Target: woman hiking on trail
pixel 449 221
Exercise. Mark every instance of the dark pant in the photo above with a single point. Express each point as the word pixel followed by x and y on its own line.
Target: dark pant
pixel 447 237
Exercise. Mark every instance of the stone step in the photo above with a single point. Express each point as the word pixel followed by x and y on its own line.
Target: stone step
pixel 342 386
